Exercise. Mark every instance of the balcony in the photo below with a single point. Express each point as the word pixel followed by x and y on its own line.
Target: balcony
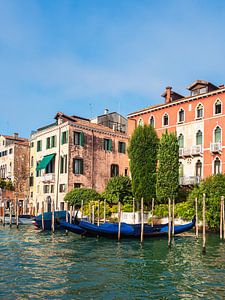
pixel 196 150
pixel 216 147
pixel 189 180
pixel 50 177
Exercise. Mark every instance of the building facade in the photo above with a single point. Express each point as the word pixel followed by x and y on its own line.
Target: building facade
pixel 14 166
pixel 71 153
pixel 199 122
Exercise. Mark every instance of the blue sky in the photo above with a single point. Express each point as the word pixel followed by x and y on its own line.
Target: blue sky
pixel 80 57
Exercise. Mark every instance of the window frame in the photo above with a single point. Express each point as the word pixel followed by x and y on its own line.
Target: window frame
pixel 214 107
pixel 163 119
pixel 178 116
pixel 80 166
pixel 196 111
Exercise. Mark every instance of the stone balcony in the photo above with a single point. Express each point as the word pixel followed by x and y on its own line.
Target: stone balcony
pixel 189 180
pixel 192 151
pixel 50 177
pixel 216 147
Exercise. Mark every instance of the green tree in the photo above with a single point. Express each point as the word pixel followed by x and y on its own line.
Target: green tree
pixel 142 152
pixel 168 168
pixel 2 183
pixel 118 188
pixel 76 196
pixel 214 188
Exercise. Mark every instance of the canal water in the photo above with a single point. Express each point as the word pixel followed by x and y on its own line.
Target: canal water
pixel 37 265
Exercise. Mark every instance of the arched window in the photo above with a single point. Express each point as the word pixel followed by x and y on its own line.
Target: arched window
pixel 199 138
pixel 217 135
pixel 181 169
pixel 199 111
pixel 181 141
pixel 140 122
pixel 32 161
pixel 114 170
pixel 217 166
pixel 218 107
pixel 152 121
pixel 181 116
pixel 198 168
pixel 165 120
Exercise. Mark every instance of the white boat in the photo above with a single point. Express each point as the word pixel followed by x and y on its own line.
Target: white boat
pixel 23 219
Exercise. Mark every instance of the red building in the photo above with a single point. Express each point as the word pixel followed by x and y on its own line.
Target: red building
pixel 198 120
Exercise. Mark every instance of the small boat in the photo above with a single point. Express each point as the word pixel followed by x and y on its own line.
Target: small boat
pixel 7 219
pixel 59 216
pixel 110 230
pixel 26 219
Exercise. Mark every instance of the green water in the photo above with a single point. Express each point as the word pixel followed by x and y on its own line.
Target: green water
pixel 36 265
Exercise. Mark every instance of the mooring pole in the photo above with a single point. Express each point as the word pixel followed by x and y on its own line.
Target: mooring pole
pixel 10 214
pixel 67 215
pixel 196 216
pixel 223 221
pixel 104 210
pixel 169 223
pixel 98 212
pixel 3 213
pixel 42 216
pixel 204 224
pixel 82 209
pixel 53 216
pixel 17 213
pixel 133 211
pixel 119 220
pixel 93 214
pixel 221 217
pixel 71 214
pixel 153 200
pixel 142 220
pixel 173 212
pixel 90 219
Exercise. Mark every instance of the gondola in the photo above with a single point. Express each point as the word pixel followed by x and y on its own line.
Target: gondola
pixel 59 216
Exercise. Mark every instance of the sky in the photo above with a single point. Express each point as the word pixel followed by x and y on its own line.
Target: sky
pixel 80 57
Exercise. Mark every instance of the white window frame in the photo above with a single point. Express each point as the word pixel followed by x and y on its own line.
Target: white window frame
pixel 214 163
pixel 214 107
pixel 149 121
pixel 178 115
pixel 163 119
pixel 214 134
pixel 196 109
pixel 140 120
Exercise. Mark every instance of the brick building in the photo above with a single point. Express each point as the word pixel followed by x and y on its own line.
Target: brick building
pixel 73 152
pixel 14 166
pixel 198 120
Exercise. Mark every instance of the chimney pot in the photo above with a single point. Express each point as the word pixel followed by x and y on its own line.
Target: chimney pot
pixel 15 135
pixel 168 94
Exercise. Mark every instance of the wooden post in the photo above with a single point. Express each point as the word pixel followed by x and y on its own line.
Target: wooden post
pixel 173 212
pixel 42 218
pixel 53 216
pixel 82 209
pixel 17 213
pixel 67 215
pixel 93 214
pixel 3 217
pixel 10 213
pixel 221 217
pixel 90 213
pixel 153 200
pixel 98 212
pixel 142 220
pixel 133 211
pixel 119 220
pixel 196 215
pixel 169 223
pixel 104 210
pixel 71 214
pixel 223 221
pixel 204 224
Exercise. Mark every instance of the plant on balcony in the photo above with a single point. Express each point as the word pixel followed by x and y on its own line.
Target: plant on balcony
pixel 118 188
pixel 6 184
pixel 214 188
pixel 76 196
pixel 168 168
pixel 142 152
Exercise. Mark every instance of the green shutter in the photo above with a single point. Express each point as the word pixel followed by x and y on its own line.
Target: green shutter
pixel 62 138
pixel 66 137
pixel 81 166
pixel 110 145
pixel 124 147
pixel 53 138
pixel 82 139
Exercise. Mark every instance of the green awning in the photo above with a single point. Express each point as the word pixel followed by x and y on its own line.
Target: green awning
pixel 45 161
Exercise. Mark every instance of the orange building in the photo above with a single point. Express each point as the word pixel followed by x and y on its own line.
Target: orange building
pixel 198 120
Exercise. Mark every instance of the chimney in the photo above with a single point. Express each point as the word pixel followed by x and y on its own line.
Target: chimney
pixel 15 135
pixel 168 94
pixel 106 111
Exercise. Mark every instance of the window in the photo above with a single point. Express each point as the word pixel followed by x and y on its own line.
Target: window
pixel 63 164
pixel 140 122
pixel 217 166
pixel 79 138
pixel 10 151
pixel 52 188
pixel 46 189
pixel 114 170
pixel 152 121
pixel 32 144
pixel 199 138
pixel 78 166
pixel 107 144
pixel 48 143
pixel 165 120
pixel 198 168
pixel 31 194
pixel 32 161
pixel 53 141
pixel 181 169
pixel 199 111
pixel 64 137
pixel 38 173
pixel 50 167
pixel 31 180
pixel 181 141
pixel 218 107
pixel 39 146
pixel 126 172
pixel 62 188
pixel 121 147
pixel 77 185
pixel 217 135
pixel 61 205
pixel 181 116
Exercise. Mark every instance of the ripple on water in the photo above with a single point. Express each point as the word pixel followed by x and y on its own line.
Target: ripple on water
pixel 53 266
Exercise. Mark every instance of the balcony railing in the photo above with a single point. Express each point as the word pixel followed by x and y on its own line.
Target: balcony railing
pixel 196 150
pixel 50 177
pixel 189 180
pixel 216 147
pixel 193 151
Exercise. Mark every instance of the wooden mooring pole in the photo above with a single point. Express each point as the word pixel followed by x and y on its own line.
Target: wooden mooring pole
pixel 119 220
pixel 169 223
pixel 98 213
pixel 104 210
pixel 204 224
pixel 67 215
pixel 71 214
pixel 93 214
pixel 153 200
pixel 53 216
pixel 142 220
pixel 221 217
pixel 42 216
pixel 82 209
pixel 90 212
pixel 3 217
pixel 10 214
pixel 133 211
pixel 196 216
pixel 173 212
pixel 17 213
pixel 223 221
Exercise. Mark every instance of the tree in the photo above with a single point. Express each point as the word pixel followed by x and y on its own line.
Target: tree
pixel 118 188
pixel 214 188
pixel 168 168
pixel 142 152
pixel 76 196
